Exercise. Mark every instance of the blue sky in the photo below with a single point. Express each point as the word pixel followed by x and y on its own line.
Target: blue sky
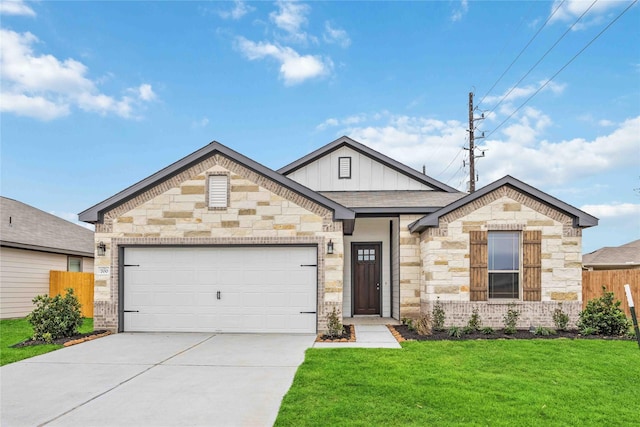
pixel 98 95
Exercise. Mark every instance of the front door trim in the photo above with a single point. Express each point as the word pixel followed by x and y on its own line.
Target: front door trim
pixel 378 261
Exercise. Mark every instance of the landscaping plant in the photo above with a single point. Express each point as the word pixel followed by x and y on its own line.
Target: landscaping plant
pixel 475 321
pixel 604 316
pixel 334 325
pixel 437 316
pixel 423 324
pixel 560 318
pixel 55 317
pixel 511 320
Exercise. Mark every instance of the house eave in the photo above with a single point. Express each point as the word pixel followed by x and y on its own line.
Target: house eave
pixel 45 249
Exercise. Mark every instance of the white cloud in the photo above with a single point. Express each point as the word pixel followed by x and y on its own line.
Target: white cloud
pixel 460 12
pixel 518 93
pixel 331 122
pixel 240 9
pixel 335 35
pixel 15 7
pixel 44 87
pixel 570 10
pixel 606 123
pixel 291 17
pixel 200 123
pixel 294 68
pixel 613 210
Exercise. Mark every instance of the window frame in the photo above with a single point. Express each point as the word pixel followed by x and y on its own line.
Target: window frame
pixel 518 272
pixel 208 191
pixel 340 160
pixel 71 257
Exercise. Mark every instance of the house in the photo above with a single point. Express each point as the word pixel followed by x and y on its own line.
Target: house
pixel 32 243
pixel 624 257
pixel 219 242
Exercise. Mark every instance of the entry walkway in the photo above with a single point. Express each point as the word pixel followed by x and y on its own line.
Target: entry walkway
pixel 367 336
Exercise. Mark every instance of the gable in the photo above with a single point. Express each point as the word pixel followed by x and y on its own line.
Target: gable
pixel 347 165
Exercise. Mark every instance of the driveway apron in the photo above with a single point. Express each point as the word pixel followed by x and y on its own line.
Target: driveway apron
pixel 154 379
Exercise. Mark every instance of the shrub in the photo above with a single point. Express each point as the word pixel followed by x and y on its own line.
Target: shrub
pixel 455 331
pixel 560 318
pixel 487 330
pixel 510 320
pixel 437 316
pixel 604 315
pixel 409 322
pixel 423 324
pixel 468 330
pixel 475 321
pixel 334 325
pixel 55 317
pixel 545 332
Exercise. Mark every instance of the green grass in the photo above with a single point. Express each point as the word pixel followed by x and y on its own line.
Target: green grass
pixel 13 331
pixel 525 383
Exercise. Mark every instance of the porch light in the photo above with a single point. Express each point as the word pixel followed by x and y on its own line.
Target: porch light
pixel 330 247
pixel 102 249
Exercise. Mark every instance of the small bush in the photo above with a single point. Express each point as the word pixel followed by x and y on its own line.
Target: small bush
pixel 560 318
pixel 334 325
pixel 55 317
pixel 468 330
pixel 510 320
pixel 455 331
pixel 545 332
pixel 604 315
pixel 423 324
pixel 487 330
pixel 588 331
pixel 437 316
pixel 475 321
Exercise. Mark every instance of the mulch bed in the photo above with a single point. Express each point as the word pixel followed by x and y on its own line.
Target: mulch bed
pixel 403 333
pixel 348 335
pixel 66 341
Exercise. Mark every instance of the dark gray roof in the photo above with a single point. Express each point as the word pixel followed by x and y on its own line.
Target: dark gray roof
pixel 580 218
pixel 25 227
pixel 95 213
pixel 624 255
pixel 387 161
pixel 409 201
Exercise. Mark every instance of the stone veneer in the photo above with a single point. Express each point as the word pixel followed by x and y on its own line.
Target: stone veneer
pixel 410 268
pixel 445 258
pixel 260 212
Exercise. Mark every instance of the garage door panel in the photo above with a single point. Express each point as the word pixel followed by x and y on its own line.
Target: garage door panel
pixel 262 289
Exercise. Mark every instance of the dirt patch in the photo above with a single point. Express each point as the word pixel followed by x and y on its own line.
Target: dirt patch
pixel 348 335
pixel 66 341
pixel 403 333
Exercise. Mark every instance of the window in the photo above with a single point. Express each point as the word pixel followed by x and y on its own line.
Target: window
pixel 504 264
pixel 366 254
pixel 344 167
pixel 74 264
pixel 218 191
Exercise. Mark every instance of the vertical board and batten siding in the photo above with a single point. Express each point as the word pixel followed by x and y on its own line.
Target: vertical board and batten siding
pixel 479 260
pixel 532 265
pixel 81 283
pixel 612 280
pixel 24 274
pixel 366 174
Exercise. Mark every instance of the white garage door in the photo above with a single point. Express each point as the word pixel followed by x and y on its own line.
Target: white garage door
pixel 222 289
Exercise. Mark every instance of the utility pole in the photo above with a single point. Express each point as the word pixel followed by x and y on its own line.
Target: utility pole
pixel 472 147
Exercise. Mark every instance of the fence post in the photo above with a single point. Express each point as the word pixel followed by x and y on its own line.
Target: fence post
pixel 627 290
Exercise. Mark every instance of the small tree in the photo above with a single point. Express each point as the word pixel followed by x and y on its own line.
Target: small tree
pixel 437 316
pixel 560 318
pixel 55 317
pixel 334 325
pixel 604 316
pixel 510 320
pixel 475 321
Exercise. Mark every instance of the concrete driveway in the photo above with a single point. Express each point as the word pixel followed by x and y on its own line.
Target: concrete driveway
pixel 154 379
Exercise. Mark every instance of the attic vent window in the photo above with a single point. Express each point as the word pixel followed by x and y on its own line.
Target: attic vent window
pixel 218 191
pixel 344 167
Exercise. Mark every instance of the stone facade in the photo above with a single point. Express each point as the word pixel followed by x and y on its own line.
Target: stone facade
pixel 410 268
pixel 260 212
pixel 445 257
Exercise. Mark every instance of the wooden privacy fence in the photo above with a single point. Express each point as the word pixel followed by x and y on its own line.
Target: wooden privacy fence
pixel 612 280
pixel 81 283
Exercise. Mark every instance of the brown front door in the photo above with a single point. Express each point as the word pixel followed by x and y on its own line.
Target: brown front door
pixel 365 259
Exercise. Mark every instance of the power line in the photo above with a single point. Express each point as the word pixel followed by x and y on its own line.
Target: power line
pixel 452 160
pixel 522 51
pixel 564 66
pixel 543 56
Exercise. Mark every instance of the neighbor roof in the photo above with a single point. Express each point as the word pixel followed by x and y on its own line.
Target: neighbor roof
pixel 354 145
pixel 380 202
pixel 580 218
pixel 95 213
pixel 624 255
pixel 26 227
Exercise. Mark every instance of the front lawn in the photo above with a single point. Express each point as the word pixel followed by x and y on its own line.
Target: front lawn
pixel 506 382
pixel 13 331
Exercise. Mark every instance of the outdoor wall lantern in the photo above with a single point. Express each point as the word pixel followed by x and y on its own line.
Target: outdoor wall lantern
pixel 102 249
pixel 330 247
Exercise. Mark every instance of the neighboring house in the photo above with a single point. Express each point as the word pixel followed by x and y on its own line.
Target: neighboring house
pixel 219 242
pixel 32 243
pixel 624 257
